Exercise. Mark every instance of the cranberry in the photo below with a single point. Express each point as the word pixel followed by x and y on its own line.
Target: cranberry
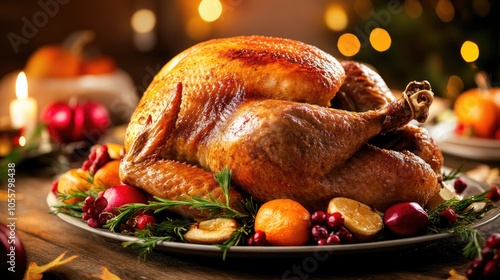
pixel 487 253
pixel 319 232
pixel 448 217
pixel 319 218
pixel 494 194
pixel 333 239
pixel 145 221
pixel 459 185
pixel 335 221
pixel 493 241
pixel 100 203
pixel 491 269
pixel 322 242
pixel 93 222
pixel 475 268
pixel 260 238
pixel 345 235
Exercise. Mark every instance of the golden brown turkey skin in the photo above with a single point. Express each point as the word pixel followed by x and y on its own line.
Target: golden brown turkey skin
pixel 260 106
pixel 363 90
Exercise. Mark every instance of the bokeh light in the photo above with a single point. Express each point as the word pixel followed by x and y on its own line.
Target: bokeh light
pixel 143 21
pixel 210 10
pixel 363 8
pixel 454 86
pixel 445 10
pixel 413 9
pixel 380 39
pixel 336 17
pixel 469 51
pixel 481 7
pixel 348 44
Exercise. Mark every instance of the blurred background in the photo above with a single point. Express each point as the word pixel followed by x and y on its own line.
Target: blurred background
pixel 443 41
pixel 109 51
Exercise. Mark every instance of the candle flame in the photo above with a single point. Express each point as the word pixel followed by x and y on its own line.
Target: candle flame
pixel 21 86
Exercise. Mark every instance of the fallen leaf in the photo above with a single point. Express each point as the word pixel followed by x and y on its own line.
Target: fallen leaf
pixel 35 272
pixel 455 276
pixel 106 275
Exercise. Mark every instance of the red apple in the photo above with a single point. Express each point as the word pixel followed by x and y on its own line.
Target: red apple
pixel 76 121
pixel 406 219
pixel 123 194
pixel 13 255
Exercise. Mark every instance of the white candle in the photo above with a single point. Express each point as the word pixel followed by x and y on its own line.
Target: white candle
pixel 23 110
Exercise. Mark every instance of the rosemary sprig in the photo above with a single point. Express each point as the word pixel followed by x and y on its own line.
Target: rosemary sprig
pixel 210 205
pixel 466 214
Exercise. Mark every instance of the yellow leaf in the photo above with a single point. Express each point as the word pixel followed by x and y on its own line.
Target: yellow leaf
pixel 106 275
pixel 35 272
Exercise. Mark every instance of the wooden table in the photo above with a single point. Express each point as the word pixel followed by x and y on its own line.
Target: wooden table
pixel 45 236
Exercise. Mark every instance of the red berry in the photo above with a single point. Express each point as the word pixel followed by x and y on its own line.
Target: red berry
pixel 319 218
pixel 145 221
pixel 459 185
pixel 333 239
pixel 321 242
pixel 93 222
pixel 448 217
pixel 259 238
pixel 491 269
pixel 345 235
pixel 493 241
pixel 335 220
pixel 100 203
pixel 494 194
pixel 319 232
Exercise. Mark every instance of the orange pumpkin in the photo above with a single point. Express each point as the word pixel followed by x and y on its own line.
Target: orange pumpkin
pixel 52 61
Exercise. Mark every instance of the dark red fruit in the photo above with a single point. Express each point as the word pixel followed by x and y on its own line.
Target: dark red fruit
pixel 448 217
pixel 406 219
pixel 335 221
pixel 459 185
pixel 319 218
pixel 257 239
pixel 333 239
pixel 346 237
pixel 493 241
pixel 319 232
pixel 494 194
pixel 145 221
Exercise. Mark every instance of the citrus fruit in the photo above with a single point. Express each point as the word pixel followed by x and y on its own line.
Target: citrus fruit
pixel 108 175
pixel 284 221
pixel 478 111
pixel 360 219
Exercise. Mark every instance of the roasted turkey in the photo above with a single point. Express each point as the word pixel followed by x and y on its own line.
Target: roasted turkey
pixel 264 108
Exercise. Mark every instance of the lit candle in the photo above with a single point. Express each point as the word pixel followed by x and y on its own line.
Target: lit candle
pixel 23 110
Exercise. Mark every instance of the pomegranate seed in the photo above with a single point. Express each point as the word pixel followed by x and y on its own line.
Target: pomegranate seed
pixel 460 185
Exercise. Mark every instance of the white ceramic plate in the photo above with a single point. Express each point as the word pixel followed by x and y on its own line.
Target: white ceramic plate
pixel 286 251
pixel 467 147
